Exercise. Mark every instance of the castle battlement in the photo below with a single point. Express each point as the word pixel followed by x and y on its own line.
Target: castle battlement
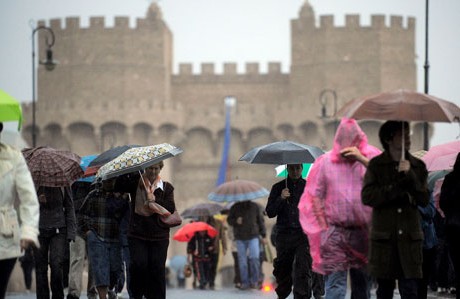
pixel 98 22
pixel 377 22
pixel 229 69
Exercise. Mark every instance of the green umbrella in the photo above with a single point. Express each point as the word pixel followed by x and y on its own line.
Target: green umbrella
pixel 10 109
pixel 281 170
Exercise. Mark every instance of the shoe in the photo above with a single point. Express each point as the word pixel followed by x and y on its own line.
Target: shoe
pixel 72 296
pixel 244 287
pixel 112 295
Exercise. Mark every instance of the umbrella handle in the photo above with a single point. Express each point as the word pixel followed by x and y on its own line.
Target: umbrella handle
pixel 403 143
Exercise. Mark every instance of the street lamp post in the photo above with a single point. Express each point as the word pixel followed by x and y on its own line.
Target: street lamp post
pixel 426 142
pixel 49 64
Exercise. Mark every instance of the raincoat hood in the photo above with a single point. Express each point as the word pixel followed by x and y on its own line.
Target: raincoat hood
pixel 348 134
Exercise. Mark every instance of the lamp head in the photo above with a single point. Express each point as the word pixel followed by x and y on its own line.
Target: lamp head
pixel 49 63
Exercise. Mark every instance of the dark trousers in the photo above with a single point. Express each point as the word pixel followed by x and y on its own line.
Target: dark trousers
pixel 407 288
pixel 292 266
pixel 147 268
pixel 213 269
pixel 428 268
pixel 52 251
pixel 202 271
pixel 453 244
pixel 6 267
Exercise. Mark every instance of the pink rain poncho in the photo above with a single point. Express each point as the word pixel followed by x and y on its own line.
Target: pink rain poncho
pixel 330 209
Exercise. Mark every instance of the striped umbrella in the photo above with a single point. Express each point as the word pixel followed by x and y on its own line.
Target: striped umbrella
pixel 237 190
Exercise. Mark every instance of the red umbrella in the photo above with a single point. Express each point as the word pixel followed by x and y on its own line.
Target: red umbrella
pixel 186 233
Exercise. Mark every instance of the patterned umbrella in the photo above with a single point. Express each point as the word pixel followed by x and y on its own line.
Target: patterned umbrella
pixel 202 209
pixel 105 157
pixel 237 190
pixel 137 159
pixel 52 167
pixel 186 233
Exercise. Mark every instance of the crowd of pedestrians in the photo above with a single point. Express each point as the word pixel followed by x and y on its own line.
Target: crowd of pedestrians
pixel 364 214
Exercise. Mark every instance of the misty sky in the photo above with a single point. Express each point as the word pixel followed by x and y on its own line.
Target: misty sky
pixel 237 31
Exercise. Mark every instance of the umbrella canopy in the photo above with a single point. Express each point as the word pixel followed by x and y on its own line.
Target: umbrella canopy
pixel 52 167
pixel 442 157
pixel 237 190
pixel 281 170
pixel 10 109
pixel 136 159
pixel 105 157
pixel 202 209
pixel 186 233
pixel 85 160
pixel 434 176
pixel 282 152
pixel 401 105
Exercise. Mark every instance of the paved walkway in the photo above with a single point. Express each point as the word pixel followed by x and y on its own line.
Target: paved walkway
pixel 208 294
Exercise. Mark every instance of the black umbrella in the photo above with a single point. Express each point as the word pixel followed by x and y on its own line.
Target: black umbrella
pixel 105 157
pixel 202 209
pixel 282 152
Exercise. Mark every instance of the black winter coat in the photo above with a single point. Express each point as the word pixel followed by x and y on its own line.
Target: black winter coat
pixel 396 236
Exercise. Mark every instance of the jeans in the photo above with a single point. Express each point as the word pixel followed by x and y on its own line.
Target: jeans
pixel 53 243
pixel 336 284
pixel 248 261
pixel 77 263
pixel 407 288
pixel 105 259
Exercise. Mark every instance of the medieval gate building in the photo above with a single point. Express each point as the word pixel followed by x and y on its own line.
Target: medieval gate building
pixel 116 86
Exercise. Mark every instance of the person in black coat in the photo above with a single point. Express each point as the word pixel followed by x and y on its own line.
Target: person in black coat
pixel 292 265
pixel 450 204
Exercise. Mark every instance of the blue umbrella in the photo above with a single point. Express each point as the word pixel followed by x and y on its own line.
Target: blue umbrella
pixel 85 160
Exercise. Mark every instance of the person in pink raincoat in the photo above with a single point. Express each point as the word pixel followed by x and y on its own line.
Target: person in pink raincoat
pixel 333 216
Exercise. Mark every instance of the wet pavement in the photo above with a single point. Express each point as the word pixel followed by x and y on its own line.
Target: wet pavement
pixel 213 294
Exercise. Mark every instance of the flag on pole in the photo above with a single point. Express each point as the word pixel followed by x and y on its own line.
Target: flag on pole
pixel 224 165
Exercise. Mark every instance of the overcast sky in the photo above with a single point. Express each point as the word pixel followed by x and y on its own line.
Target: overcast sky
pixel 238 31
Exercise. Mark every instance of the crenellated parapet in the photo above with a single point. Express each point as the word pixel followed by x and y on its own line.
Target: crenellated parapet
pixel 230 72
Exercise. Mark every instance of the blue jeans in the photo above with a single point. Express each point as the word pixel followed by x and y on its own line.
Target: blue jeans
pixel 248 250
pixel 336 284
pixel 105 259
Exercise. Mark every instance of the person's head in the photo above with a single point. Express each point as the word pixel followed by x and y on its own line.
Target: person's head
pixel 294 171
pixel 154 170
pixel 390 135
pixel 108 185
